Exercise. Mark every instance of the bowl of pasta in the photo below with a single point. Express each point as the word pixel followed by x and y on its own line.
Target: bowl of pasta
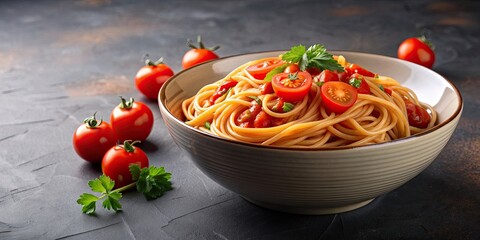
pixel 308 131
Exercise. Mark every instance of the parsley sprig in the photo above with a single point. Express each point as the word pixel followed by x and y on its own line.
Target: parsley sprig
pixel 152 181
pixel 315 56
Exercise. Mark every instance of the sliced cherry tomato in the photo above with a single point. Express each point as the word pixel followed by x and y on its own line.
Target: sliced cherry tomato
pixel 92 139
pixel 388 90
pixel 327 76
pixel 342 76
pixel 417 116
pixel 132 120
pixel 246 118
pixel 292 68
pixel 260 70
pixel 416 50
pixel 278 107
pixel 262 120
pixel 222 89
pixel 314 71
pixel 360 83
pixel 116 162
pixel 354 68
pixel 266 88
pixel 338 96
pixel 292 87
pixel 198 54
pixel 150 78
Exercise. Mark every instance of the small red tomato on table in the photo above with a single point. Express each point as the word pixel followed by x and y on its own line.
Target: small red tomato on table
pixel 150 78
pixel 198 54
pixel 117 160
pixel 132 120
pixel 417 50
pixel 93 138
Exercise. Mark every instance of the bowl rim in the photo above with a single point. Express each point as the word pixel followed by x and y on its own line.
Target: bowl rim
pixel 162 105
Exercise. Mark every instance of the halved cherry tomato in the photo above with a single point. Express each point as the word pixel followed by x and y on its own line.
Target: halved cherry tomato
pixel 278 107
pixel 327 76
pixel 132 120
pixel 262 120
pixel 354 68
pixel 151 77
pixel 387 90
pixel 360 83
pixel 338 96
pixel 266 88
pixel 116 162
pixel 292 68
pixel 260 70
pixel 417 116
pixel 92 139
pixel 417 50
pixel 198 54
pixel 292 87
pixel 222 89
pixel 247 117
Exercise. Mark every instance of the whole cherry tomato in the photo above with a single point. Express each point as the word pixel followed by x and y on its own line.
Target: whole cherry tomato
pixel 292 87
pixel 150 78
pixel 116 162
pixel 93 139
pixel 198 54
pixel 132 120
pixel 417 50
pixel 338 96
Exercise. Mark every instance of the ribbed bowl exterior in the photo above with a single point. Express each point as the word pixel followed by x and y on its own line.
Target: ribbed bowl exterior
pixel 308 181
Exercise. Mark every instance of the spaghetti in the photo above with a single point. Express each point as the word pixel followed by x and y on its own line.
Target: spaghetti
pixel 240 100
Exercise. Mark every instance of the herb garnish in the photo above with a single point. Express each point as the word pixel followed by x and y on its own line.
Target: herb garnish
pixel 287 107
pixel 151 181
pixel 315 56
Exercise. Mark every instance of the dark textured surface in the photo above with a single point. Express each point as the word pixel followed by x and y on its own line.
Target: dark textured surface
pixel 60 61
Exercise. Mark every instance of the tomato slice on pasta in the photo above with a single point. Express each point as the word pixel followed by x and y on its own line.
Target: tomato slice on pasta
pixel 292 87
pixel 338 96
pixel 260 70
pixel 354 68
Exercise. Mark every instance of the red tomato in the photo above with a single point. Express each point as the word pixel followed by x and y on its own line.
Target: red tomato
pixel 116 162
pixel 354 68
pixel 198 54
pixel 417 116
pixel 417 50
pixel 222 89
pixel 151 77
pixel 292 87
pixel 93 139
pixel 132 120
pixel 327 76
pixel 262 120
pixel 278 107
pixel 388 91
pixel 338 96
pixel 266 88
pixel 360 83
pixel 292 68
pixel 260 70
pixel 246 118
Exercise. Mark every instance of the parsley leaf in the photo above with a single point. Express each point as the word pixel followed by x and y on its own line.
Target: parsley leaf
pixel 88 202
pixel 295 54
pixel 355 82
pixel 275 71
pixel 207 125
pixel 257 99
pixel 152 181
pixel 315 56
pixel 381 87
pixel 287 107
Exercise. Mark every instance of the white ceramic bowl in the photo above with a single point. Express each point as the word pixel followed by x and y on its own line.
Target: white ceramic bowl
pixel 313 181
